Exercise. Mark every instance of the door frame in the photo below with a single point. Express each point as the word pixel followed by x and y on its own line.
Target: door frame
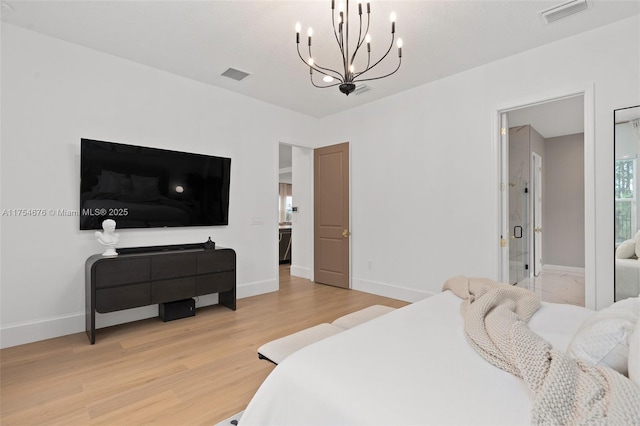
pixel 500 148
pixel 536 195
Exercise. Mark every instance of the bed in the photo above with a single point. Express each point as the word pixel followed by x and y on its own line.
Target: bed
pixel 411 366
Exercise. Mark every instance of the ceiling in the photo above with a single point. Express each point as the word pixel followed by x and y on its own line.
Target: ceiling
pixel 552 119
pixel 201 39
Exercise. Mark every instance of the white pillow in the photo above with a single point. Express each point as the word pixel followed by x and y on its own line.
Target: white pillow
pixel 626 250
pixel 634 355
pixel 637 240
pixel 603 339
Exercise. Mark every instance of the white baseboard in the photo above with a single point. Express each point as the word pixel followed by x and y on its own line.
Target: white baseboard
pixel 388 290
pixel 300 271
pixel 559 269
pixel 41 329
pixel 48 328
pixel 256 288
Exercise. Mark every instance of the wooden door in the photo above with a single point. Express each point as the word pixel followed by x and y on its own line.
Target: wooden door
pixel 331 215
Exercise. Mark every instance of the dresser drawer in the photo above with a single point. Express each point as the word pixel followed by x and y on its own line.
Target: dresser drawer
pixel 173 266
pixel 114 272
pixel 215 283
pixel 125 297
pixel 170 290
pixel 220 260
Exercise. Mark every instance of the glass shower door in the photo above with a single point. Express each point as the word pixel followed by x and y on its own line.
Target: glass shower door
pixel 519 214
pixel 519 241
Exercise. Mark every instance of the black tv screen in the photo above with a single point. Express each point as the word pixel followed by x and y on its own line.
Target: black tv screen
pixel 142 187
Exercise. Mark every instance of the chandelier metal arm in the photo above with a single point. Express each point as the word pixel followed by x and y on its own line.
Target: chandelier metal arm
pixel 361 38
pixel 320 69
pixel 393 36
pixel 337 74
pixel 382 76
pixel 333 22
pixel 320 87
pixel 344 34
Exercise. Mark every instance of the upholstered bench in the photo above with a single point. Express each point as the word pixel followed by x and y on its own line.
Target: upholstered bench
pixel 277 350
pixel 361 316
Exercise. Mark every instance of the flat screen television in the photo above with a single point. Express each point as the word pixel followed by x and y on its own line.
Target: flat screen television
pixel 142 187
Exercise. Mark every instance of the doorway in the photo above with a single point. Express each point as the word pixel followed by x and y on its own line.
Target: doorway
pixel 285 203
pixel 534 185
pixel 295 168
pixel 296 165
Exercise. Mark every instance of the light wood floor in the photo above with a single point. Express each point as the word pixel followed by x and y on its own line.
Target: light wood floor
pixel 197 370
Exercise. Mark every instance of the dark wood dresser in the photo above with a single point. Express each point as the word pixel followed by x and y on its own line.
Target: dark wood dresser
pixel 144 278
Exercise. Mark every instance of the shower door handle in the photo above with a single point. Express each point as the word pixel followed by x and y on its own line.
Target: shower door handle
pixel 517 232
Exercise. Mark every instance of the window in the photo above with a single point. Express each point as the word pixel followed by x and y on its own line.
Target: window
pixel 625 199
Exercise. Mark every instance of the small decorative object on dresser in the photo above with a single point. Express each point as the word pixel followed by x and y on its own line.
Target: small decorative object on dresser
pixel 208 245
pixel 108 238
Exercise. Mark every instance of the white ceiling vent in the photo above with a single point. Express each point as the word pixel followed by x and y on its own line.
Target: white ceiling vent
pixel 235 74
pixel 563 10
pixel 361 88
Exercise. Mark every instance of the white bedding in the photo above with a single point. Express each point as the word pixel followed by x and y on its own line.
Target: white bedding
pixel 411 366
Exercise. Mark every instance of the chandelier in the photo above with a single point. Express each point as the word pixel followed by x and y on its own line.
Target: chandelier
pixel 349 75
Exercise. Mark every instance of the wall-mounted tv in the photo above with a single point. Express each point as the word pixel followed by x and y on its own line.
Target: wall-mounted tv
pixel 142 187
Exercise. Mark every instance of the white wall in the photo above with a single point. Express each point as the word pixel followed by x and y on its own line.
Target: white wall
pixel 563 202
pixel 424 186
pixel 53 94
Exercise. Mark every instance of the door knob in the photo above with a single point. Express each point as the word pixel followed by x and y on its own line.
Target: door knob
pixel 346 233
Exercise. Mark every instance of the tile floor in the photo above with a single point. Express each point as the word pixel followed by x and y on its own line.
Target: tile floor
pixel 557 287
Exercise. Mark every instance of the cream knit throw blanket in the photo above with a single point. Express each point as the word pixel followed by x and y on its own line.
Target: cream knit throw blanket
pixel 565 391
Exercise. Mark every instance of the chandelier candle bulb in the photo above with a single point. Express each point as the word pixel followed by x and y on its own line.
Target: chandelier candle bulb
pixel 298 27
pixel 310 33
pixel 359 7
pixel 392 17
pixel 399 48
